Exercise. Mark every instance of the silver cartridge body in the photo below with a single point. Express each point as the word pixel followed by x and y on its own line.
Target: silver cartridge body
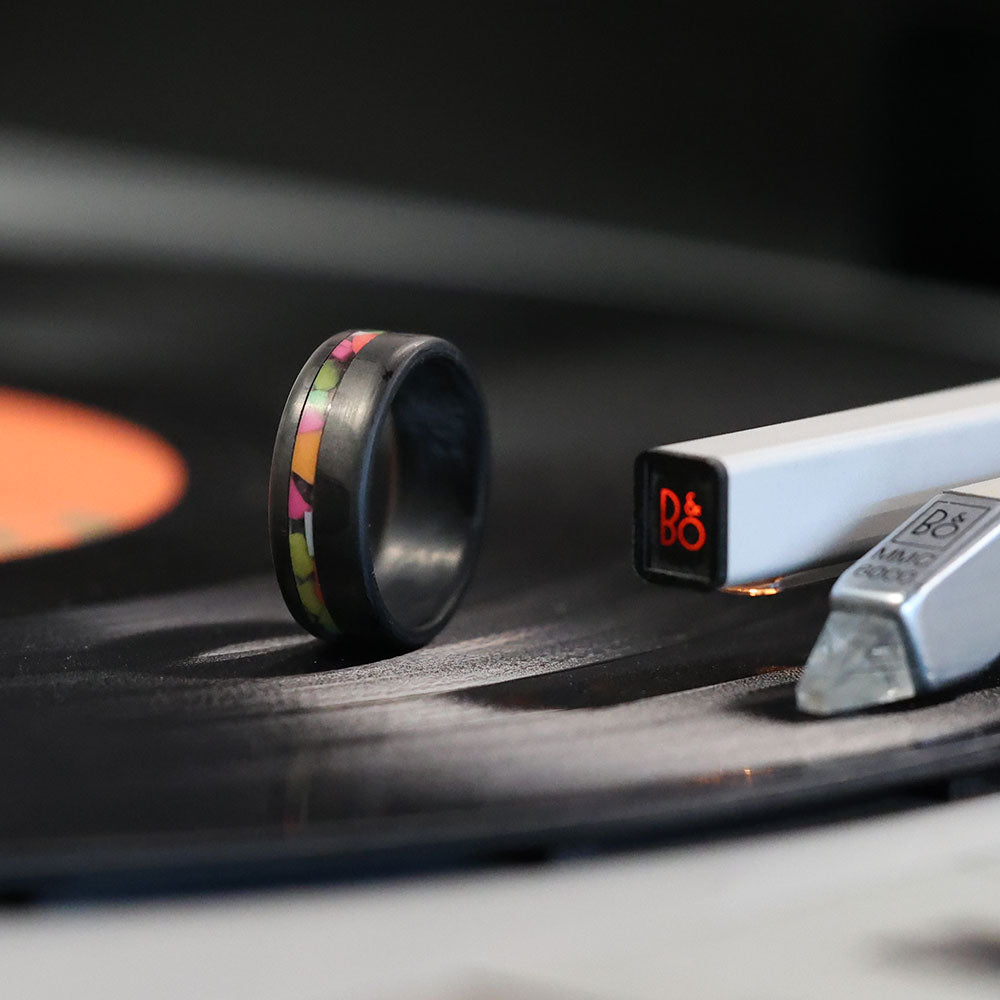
pixel 918 612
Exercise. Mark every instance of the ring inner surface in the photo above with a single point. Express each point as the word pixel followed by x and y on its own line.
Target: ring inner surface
pixel 423 491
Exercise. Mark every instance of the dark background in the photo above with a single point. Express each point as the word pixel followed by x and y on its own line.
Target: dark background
pixel 856 130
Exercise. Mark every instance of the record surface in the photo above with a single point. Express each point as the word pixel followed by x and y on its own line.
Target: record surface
pixel 165 723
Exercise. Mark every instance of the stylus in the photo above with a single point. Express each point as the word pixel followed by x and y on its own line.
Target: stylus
pixel 919 612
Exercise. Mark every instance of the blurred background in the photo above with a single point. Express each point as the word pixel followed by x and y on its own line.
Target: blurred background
pixel 857 131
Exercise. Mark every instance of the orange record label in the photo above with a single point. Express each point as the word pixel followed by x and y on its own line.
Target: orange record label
pixel 70 474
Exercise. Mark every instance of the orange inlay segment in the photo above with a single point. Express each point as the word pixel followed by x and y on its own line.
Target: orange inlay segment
pixel 360 339
pixel 306 455
pixel 70 474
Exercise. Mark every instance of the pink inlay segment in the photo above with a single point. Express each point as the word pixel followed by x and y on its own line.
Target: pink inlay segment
pixel 312 420
pixel 297 506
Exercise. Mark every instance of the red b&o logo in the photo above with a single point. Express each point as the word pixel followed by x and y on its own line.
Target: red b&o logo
pixel 687 530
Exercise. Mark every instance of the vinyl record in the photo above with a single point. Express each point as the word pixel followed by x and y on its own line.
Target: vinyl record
pixel 166 723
